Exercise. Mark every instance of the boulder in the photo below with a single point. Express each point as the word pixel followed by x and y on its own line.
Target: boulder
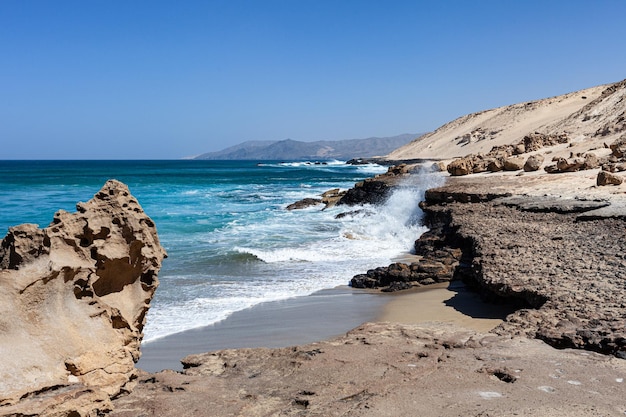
pixel 618 148
pixel 375 190
pixel 304 203
pixel 570 164
pixel 369 191
pixel 496 165
pixel 514 163
pixel 519 149
pixel 459 167
pixel 533 141
pixel 533 163
pixel 536 140
pixel 331 197
pixel 608 178
pixel 73 302
pixel 591 161
pixel 481 164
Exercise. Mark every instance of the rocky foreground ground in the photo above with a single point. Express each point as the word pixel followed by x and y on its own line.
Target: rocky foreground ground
pixel 384 369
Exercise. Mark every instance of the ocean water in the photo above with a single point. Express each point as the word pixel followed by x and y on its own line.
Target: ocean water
pixel 231 242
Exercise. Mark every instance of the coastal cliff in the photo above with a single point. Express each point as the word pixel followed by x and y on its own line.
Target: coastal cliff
pixel 74 300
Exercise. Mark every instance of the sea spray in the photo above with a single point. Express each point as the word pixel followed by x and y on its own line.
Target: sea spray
pixel 266 253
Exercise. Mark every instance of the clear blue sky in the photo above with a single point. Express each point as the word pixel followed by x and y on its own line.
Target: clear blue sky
pixel 167 79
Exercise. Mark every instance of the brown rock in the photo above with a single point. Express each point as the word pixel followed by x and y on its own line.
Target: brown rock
pixel 608 178
pixel 514 163
pixel 73 303
pixel 496 165
pixel 378 369
pixel 460 167
pixel 533 141
pixel 331 197
pixel 533 163
pixel 618 147
pixel 536 140
pixel 570 164
pixel 480 165
pixel 551 169
pixel 591 161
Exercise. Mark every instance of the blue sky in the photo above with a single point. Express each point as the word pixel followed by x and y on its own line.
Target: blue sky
pixel 165 79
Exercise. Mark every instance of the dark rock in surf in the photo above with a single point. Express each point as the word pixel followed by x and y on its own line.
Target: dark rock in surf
pixel 304 203
pixel 375 190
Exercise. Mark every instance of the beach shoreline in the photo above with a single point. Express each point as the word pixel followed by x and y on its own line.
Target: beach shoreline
pixel 323 316
pixel 294 321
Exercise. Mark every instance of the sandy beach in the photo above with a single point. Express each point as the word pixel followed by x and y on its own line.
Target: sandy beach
pixel 319 316
pixel 444 303
pixel 324 315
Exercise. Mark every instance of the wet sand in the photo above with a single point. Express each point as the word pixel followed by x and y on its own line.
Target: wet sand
pixel 295 321
pixel 321 316
pixel 444 302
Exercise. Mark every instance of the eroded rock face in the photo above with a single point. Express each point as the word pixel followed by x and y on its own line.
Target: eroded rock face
pixel 74 300
pixel 560 260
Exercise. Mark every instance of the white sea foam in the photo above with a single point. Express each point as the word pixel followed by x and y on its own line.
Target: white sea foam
pixel 297 253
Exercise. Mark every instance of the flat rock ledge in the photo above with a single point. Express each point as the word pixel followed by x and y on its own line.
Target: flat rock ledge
pixel 385 369
pixel 73 300
pixel 560 261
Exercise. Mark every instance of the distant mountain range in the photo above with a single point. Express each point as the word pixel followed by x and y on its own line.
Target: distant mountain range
pixel 320 150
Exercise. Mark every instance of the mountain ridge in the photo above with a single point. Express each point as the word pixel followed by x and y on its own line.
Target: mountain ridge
pixel 322 149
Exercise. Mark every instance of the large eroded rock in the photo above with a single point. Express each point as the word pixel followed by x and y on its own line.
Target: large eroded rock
pixel 73 300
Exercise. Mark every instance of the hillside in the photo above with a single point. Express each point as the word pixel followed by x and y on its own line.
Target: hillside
pixel 296 150
pixel 591 116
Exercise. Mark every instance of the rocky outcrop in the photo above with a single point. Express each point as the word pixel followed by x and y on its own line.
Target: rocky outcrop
pixel 507 157
pixel 304 203
pixel 559 260
pixel 375 190
pixel 329 198
pixel 74 301
pixel 510 158
pixel 438 261
pixel 401 276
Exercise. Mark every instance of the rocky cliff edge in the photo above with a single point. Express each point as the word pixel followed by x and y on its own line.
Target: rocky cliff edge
pixel 73 304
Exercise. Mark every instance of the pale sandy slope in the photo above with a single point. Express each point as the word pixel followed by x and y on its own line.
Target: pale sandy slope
pixel 586 116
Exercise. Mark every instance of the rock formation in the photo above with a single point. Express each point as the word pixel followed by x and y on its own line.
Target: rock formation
pixel 387 369
pixel 74 300
pixel 369 191
pixel 559 260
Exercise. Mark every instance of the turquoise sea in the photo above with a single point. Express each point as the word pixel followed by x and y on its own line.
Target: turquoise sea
pixel 231 242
